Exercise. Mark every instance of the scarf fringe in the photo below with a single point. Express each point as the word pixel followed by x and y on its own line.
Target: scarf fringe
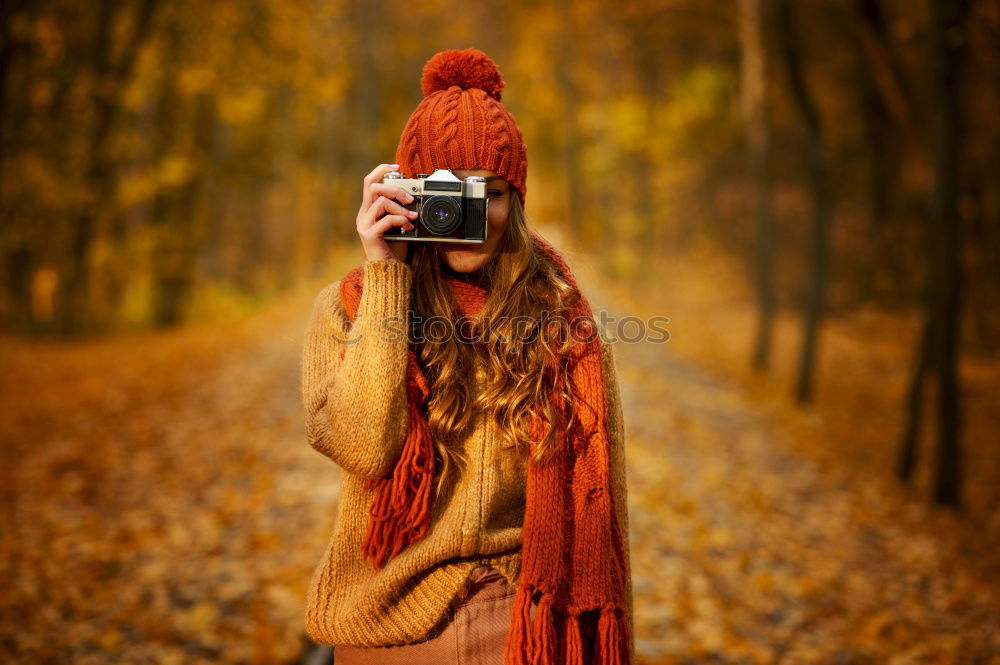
pixel 612 637
pixel 400 511
pixel 518 645
pixel 545 633
pixel 536 641
pixel 574 640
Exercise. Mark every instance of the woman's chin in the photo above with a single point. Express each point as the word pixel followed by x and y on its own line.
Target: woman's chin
pixel 466 258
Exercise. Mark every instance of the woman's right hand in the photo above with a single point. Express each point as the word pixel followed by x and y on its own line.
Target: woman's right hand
pixel 380 211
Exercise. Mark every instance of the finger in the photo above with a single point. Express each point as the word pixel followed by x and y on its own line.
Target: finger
pixel 377 231
pixel 391 206
pixel 375 176
pixel 368 217
pixel 381 206
pixel 379 171
pixel 384 224
pixel 392 191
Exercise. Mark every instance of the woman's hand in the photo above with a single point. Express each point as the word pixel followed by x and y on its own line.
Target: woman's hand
pixel 379 212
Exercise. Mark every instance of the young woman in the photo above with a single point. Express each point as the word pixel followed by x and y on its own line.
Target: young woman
pixel 470 400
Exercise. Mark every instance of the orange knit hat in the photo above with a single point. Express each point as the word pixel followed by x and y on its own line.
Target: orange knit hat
pixel 461 124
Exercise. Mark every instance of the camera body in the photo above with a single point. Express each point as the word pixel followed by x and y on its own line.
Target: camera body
pixel 450 209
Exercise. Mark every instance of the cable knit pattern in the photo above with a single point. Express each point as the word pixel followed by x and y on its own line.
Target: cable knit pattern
pixel 355 402
pixel 448 123
pixel 461 122
pixel 407 152
pixel 497 131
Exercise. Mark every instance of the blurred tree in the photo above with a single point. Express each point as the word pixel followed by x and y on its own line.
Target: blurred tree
pixel 754 82
pixel 817 166
pixel 938 346
pixel 889 118
pixel 109 73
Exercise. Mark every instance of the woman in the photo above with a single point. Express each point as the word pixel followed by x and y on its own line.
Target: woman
pixel 482 516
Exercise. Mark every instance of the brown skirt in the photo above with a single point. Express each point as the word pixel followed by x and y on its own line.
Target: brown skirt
pixel 474 631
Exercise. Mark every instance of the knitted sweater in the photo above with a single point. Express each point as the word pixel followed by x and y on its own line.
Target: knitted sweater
pixel 356 414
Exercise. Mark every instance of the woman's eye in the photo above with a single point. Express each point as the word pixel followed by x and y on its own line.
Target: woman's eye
pixel 494 192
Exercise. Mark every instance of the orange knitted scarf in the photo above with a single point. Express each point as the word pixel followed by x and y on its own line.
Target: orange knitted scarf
pixel 572 558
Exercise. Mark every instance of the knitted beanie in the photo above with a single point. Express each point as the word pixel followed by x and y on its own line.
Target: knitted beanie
pixel 461 123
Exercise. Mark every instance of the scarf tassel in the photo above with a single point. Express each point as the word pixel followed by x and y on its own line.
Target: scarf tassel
pixel 574 640
pixel 536 641
pixel 612 637
pixel 544 633
pixel 400 511
pixel 518 646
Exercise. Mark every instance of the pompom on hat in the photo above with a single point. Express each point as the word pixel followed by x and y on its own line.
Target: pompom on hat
pixel 461 122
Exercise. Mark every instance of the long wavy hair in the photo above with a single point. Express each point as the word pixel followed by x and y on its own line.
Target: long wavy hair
pixel 521 351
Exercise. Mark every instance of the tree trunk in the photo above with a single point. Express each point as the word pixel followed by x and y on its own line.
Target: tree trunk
pixel 817 164
pixel 753 94
pixel 909 449
pixel 946 236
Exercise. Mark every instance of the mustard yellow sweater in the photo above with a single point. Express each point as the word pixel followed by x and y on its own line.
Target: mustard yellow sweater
pixel 356 414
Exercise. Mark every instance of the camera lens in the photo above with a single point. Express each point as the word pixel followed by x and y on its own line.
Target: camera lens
pixel 441 215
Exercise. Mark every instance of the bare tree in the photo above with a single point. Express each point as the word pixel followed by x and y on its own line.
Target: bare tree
pixel 937 350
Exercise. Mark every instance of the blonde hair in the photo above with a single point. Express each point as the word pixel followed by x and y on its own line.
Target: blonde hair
pixel 525 286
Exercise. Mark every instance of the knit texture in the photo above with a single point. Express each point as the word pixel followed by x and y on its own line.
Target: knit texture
pixel 356 414
pixel 461 122
pixel 565 605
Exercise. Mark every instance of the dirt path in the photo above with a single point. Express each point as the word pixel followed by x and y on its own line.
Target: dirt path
pixel 165 508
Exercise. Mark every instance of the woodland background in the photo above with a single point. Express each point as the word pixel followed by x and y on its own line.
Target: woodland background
pixel 809 190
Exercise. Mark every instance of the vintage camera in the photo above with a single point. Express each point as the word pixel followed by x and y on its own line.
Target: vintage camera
pixel 451 209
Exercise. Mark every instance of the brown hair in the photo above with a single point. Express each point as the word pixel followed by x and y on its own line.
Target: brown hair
pixel 520 365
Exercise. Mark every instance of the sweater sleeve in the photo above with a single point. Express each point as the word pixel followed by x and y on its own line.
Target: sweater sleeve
pixel 616 423
pixel 356 407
